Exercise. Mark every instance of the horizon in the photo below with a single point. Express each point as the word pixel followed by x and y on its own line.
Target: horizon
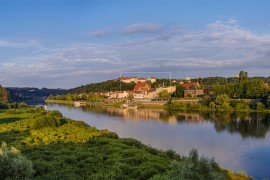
pixel 66 44
pixel 179 79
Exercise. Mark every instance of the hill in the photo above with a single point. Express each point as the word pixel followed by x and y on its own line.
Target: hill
pixel 31 95
pixel 110 85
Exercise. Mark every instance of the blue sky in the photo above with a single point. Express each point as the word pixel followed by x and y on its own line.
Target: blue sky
pixel 46 43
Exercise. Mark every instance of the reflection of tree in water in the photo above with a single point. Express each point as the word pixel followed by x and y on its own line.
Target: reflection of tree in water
pixel 246 124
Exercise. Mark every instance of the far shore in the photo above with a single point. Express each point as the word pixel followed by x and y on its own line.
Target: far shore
pixel 150 105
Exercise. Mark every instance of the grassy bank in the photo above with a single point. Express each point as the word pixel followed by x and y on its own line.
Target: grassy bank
pixel 61 148
pixel 60 102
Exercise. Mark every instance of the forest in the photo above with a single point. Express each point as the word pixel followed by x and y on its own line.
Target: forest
pixel 31 95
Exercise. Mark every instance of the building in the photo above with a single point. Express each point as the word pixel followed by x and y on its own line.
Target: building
pixel 191 85
pixel 151 94
pixel 136 79
pixel 120 94
pixel 193 92
pixel 141 87
pixel 169 89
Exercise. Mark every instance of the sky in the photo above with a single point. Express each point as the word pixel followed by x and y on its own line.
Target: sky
pixel 69 43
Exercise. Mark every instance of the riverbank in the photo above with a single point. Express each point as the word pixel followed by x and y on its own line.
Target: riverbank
pixel 182 104
pixel 51 141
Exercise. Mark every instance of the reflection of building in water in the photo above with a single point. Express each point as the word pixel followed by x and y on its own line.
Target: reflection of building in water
pixel 172 120
pixel 159 115
pixel 191 117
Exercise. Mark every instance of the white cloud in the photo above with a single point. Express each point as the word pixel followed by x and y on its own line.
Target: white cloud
pixel 221 47
pixel 143 28
pixel 18 44
pixel 101 33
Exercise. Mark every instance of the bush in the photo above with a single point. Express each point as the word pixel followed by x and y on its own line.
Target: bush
pixel 46 121
pixel 260 106
pixel 13 165
pixel 55 113
pixel 241 106
pixel 194 167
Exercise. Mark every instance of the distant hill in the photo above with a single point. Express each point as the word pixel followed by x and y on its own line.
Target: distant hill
pixel 31 95
pixel 110 85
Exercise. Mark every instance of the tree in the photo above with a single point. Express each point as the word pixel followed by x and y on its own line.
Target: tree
pixel 222 102
pixel 4 96
pixel 179 91
pixel 195 168
pixel 164 94
pixel 243 76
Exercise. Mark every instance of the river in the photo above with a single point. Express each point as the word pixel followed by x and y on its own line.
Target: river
pixel 237 141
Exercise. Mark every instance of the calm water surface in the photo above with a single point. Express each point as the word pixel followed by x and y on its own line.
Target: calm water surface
pixel 237 141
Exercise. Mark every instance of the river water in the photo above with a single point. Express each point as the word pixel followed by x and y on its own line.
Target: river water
pixel 237 141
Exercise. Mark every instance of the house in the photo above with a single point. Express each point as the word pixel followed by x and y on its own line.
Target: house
pixel 151 94
pixel 138 96
pixel 129 79
pixel 193 92
pixel 120 94
pixel 169 89
pixel 136 79
pixel 141 87
pixel 191 85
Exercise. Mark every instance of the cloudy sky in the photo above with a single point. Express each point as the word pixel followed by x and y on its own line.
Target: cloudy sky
pixel 64 44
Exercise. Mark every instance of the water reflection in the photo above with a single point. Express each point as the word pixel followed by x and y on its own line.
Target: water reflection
pixel 247 124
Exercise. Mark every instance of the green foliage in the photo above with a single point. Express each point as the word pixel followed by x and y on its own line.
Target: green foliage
pixel 206 100
pixel 4 96
pixel 243 76
pixel 13 165
pixel 240 105
pixel 164 94
pixel 46 121
pixel 110 85
pixel 260 106
pixel 195 168
pixel 179 91
pixel 31 95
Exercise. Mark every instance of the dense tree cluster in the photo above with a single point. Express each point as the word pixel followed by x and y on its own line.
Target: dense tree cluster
pixel 110 85
pixel 32 95
pixel 89 97
pixel 221 102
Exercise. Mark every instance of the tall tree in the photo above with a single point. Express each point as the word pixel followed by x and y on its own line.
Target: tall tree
pixel 243 76
pixel 4 97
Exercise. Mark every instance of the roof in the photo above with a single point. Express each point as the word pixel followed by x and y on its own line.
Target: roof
pixel 189 85
pixel 194 89
pixel 140 85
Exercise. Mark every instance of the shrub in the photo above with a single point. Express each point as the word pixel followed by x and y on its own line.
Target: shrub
pixel 55 113
pixel 260 106
pixel 13 165
pixel 195 168
pixel 46 121
pixel 242 106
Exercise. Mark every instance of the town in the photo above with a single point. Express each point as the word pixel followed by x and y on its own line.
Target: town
pixel 144 90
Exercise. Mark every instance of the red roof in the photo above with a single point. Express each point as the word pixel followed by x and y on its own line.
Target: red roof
pixel 141 85
pixel 189 85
